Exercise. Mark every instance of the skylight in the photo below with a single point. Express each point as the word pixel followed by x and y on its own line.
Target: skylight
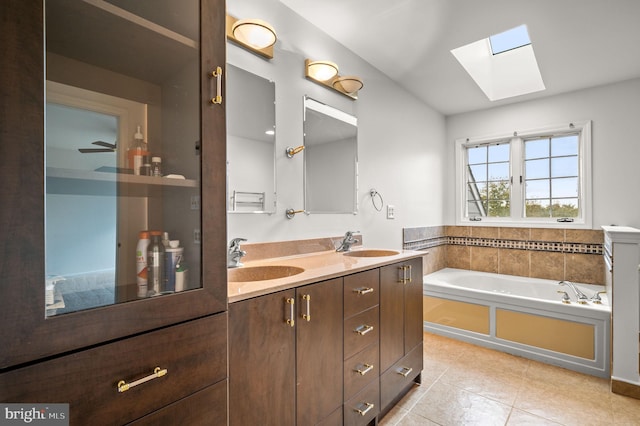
pixel 509 40
pixel 503 65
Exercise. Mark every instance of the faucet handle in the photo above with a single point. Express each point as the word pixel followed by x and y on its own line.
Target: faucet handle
pixel 596 299
pixel 235 243
pixel 565 298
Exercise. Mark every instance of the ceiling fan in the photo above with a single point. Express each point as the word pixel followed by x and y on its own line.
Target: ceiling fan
pixel 106 147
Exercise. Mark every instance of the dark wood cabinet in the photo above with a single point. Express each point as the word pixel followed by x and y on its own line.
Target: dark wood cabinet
pixel 284 372
pixel 401 328
pixel 63 343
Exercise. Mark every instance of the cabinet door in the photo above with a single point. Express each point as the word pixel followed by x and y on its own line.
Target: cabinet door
pixel 262 361
pixel 22 212
pixel 391 315
pixel 319 350
pixel 413 325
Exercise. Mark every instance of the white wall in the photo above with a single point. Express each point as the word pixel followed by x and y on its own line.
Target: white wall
pixel 401 141
pixel 615 112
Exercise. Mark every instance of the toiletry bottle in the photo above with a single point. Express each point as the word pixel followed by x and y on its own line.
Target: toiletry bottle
pixel 156 166
pixel 181 274
pixel 141 262
pixel 137 151
pixel 155 264
pixel 165 239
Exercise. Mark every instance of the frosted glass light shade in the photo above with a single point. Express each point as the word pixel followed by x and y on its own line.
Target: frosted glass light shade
pixel 322 70
pixel 348 84
pixel 254 32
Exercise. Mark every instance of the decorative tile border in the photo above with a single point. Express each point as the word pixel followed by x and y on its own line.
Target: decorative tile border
pixel 421 238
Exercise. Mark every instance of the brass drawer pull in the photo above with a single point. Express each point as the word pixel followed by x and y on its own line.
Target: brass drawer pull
pixel 405 371
pixel 363 329
pixel 217 74
pixel 366 410
pixel 363 290
pixel 307 298
pixel 367 368
pixel 291 320
pixel 157 372
pixel 406 274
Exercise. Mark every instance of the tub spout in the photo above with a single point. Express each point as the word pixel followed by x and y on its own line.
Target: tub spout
pixel 582 298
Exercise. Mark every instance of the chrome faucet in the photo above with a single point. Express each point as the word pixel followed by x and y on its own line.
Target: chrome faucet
pixel 234 254
pixel 347 242
pixel 582 298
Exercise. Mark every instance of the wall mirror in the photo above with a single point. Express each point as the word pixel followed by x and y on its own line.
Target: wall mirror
pixel 251 121
pixel 330 159
pixel 121 66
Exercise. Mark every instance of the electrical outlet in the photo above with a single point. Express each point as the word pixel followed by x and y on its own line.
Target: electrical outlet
pixel 197 236
pixel 195 202
pixel 391 211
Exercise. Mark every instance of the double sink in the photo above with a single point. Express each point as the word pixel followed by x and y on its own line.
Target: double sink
pixel 272 272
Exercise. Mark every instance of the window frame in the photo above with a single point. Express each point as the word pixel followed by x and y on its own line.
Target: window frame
pixel 517 178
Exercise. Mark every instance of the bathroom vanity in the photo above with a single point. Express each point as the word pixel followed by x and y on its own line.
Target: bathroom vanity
pixel 337 342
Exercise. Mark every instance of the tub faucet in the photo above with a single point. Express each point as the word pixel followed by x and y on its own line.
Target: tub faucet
pixel 234 254
pixel 582 298
pixel 347 242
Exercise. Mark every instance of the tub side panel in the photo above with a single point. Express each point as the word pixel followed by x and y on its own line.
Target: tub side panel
pixel 568 337
pixel 466 316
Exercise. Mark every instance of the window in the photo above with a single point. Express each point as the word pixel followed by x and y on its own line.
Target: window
pixel 535 177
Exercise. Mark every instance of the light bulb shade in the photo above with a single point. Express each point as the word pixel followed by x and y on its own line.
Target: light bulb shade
pixel 322 70
pixel 348 84
pixel 254 32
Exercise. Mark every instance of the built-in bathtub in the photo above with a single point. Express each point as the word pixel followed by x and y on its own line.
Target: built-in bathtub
pixel 521 316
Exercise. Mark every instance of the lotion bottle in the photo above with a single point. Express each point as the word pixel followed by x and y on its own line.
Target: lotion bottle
pixel 137 152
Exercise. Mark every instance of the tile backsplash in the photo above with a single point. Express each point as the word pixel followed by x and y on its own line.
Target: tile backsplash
pixel 556 254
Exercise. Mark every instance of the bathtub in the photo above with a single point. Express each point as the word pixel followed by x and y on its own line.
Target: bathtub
pixel 521 316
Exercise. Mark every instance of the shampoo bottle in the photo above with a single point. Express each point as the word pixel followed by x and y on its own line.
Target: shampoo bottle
pixel 155 265
pixel 137 152
pixel 141 262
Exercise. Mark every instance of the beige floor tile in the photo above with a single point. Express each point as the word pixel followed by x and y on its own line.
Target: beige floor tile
pixel 415 420
pixel 522 418
pixel 626 411
pixel 394 416
pixel 494 360
pixel 493 383
pixel 560 378
pixel 449 405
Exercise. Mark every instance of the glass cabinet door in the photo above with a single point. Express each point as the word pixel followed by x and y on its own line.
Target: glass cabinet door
pixel 122 152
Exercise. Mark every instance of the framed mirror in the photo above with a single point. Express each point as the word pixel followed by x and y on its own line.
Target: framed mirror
pixel 330 159
pixel 251 122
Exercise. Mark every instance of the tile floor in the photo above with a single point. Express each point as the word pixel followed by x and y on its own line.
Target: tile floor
pixel 464 384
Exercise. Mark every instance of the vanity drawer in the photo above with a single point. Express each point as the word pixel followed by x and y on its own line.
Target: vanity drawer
pixel 207 407
pixel 361 331
pixel 361 292
pixel 400 375
pixel 363 407
pixel 193 353
pixel 361 369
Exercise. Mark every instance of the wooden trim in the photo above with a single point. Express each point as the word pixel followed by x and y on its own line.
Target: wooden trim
pixel 625 389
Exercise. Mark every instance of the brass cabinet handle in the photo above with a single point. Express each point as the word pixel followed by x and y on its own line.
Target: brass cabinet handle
pixel 307 315
pixel 406 274
pixel 366 410
pixel 217 74
pixel 405 371
pixel 408 278
pixel 367 368
pixel 363 290
pixel 291 320
pixel 363 329
pixel 157 372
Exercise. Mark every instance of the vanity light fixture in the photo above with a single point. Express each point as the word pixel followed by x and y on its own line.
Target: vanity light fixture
pixel 326 74
pixel 255 35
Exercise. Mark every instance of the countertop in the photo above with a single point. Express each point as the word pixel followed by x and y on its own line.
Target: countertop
pixel 319 266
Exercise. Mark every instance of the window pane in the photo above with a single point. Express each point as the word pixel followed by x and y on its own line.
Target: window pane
pixel 499 190
pixel 477 191
pixel 564 188
pixel 538 148
pixel 564 145
pixel 564 166
pixel 539 208
pixel 537 189
pixel 499 209
pixel 499 171
pixel 477 155
pixel 478 173
pixel 476 208
pixel 537 169
pixel 499 153
pixel 567 207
